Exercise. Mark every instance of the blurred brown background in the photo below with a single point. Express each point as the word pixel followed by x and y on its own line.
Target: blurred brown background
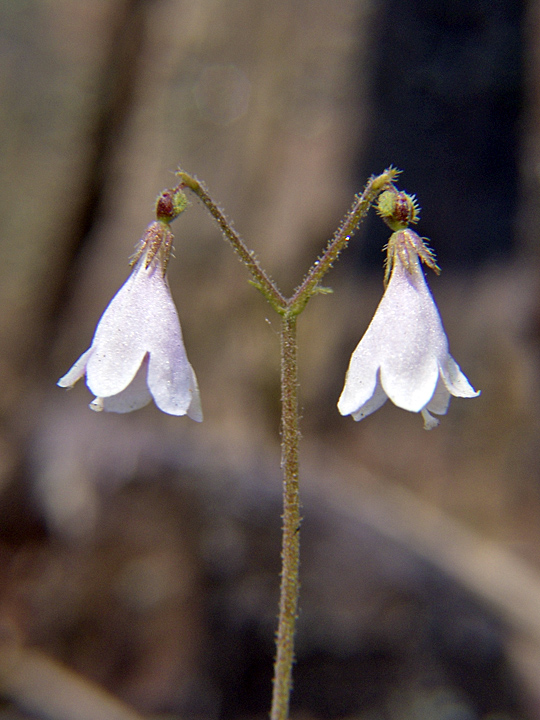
pixel 140 553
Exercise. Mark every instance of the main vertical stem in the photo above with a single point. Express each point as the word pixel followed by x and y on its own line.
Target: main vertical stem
pixel 290 552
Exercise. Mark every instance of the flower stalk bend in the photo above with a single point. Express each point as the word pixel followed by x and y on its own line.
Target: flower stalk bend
pixel 376 185
pixel 260 279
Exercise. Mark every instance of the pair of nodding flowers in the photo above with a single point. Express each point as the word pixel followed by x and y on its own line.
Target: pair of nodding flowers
pixel 138 354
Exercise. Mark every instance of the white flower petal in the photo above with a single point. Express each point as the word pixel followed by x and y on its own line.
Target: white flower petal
pixel 134 397
pixel 410 385
pixel 76 372
pixel 120 339
pixel 195 409
pixel 410 337
pixel 455 380
pixel 376 401
pixel 169 373
pixel 361 379
pixel 440 400
pixel 169 381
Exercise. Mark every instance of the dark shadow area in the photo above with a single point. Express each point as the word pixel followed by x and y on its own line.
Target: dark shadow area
pixel 446 99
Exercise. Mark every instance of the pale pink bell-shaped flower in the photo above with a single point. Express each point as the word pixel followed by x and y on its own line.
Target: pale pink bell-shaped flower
pixel 404 353
pixel 137 352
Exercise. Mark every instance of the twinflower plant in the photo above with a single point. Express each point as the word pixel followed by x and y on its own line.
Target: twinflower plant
pixel 137 353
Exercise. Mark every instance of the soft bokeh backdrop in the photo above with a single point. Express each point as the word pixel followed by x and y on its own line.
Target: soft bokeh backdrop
pixel 141 552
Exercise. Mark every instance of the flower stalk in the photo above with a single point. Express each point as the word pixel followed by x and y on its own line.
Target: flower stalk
pixel 309 286
pixel 290 548
pixel 260 279
pixel 289 309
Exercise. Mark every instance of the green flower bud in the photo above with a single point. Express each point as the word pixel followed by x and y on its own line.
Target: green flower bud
pixel 398 209
pixel 170 204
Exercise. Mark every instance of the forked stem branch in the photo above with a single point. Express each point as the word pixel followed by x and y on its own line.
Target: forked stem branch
pixel 289 309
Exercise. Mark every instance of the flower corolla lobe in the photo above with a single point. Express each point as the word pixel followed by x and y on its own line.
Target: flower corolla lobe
pixel 404 353
pixel 138 352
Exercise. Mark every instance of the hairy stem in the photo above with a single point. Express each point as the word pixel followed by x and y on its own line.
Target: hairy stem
pixel 260 279
pixel 290 549
pixel 375 185
pixel 289 309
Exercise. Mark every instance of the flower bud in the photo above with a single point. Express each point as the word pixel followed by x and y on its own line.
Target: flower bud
pixel 398 209
pixel 170 204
